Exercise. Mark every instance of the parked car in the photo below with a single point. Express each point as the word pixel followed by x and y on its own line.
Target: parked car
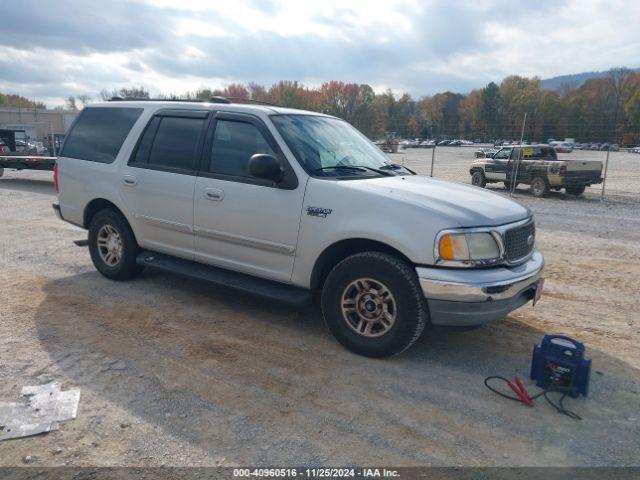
pixel 562 147
pixel 443 143
pixel 594 146
pixel 283 203
pixel 38 148
pixel 485 152
pixel 538 166
pixel 614 147
pixel 22 146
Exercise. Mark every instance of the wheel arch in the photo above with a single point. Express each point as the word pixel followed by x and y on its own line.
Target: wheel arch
pixel 98 204
pixel 338 251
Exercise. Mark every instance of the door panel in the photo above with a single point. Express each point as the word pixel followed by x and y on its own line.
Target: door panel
pixel 496 169
pixel 159 180
pixel 241 222
pixel 252 228
pixel 162 209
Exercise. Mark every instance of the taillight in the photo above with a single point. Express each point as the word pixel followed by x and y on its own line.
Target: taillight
pixel 55 178
pixel 563 169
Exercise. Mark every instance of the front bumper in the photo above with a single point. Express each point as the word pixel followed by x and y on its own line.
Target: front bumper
pixel 469 297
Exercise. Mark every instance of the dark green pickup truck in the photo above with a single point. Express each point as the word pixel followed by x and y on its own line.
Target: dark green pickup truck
pixel 538 166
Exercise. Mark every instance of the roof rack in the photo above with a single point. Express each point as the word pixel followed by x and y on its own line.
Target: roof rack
pixel 214 99
pixel 140 99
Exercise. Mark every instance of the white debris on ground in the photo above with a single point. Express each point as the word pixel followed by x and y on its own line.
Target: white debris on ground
pixel 39 410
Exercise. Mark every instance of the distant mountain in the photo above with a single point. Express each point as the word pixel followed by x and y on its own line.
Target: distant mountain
pixel 576 79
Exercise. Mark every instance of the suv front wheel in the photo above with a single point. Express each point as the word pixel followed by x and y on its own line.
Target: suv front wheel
pixel 113 246
pixel 373 304
pixel 478 179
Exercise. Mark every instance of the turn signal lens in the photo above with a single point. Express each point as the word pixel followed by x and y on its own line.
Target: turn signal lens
pixel 453 247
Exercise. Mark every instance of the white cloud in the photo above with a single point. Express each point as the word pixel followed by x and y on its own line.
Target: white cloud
pixel 70 47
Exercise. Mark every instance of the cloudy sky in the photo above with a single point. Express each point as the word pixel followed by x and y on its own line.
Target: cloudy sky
pixel 50 49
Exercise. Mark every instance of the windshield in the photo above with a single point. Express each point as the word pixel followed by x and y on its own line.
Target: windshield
pixel 327 146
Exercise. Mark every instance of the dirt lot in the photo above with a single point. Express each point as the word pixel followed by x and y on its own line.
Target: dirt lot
pixel 177 372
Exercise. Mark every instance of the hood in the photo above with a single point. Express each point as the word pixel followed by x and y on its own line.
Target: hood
pixel 466 205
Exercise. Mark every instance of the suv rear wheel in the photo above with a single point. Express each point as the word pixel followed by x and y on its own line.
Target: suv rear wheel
pixel 539 187
pixel 373 304
pixel 113 246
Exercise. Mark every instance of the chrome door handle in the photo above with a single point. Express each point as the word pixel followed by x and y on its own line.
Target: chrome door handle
pixel 129 180
pixel 214 194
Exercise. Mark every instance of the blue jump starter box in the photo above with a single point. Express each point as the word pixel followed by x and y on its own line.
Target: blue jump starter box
pixel 558 364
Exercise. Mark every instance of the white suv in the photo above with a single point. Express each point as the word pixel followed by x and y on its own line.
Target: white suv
pixel 284 203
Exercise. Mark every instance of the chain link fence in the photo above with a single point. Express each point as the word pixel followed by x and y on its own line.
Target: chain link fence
pixel 621 176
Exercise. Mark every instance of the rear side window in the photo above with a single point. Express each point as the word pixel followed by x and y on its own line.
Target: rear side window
pixel 539 153
pixel 234 143
pixel 99 133
pixel 171 143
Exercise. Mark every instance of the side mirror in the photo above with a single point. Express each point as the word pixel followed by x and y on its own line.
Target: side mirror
pixel 263 165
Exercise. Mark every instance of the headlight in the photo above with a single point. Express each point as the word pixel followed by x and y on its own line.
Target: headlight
pixel 468 248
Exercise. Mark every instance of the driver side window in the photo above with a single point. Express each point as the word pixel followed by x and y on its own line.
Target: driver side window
pixel 503 154
pixel 234 143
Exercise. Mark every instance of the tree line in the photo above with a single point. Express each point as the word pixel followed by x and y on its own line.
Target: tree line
pixel 601 109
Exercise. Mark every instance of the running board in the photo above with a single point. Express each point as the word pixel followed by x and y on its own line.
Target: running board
pixel 279 292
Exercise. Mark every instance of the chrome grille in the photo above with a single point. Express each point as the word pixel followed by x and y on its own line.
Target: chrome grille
pixel 516 242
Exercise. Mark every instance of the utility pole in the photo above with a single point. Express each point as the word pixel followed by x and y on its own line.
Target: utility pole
pixel 433 155
pixel 514 173
pixel 606 161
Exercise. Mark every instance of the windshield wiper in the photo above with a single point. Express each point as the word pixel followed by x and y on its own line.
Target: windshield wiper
pixel 358 168
pixel 396 166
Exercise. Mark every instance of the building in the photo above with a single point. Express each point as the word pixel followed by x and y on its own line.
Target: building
pixel 21 126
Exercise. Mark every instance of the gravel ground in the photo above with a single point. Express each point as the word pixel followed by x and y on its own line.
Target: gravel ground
pixel 177 372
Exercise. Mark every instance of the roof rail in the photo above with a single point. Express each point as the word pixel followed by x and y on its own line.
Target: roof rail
pixel 214 99
pixel 139 99
pixel 251 100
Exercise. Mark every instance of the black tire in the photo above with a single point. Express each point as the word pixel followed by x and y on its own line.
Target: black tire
pixel 409 305
pixel 539 187
pixel 478 179
pixel 126 267
pixel 1 171
pixel 577 191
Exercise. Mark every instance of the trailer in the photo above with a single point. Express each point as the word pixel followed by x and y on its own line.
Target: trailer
pixel 26 162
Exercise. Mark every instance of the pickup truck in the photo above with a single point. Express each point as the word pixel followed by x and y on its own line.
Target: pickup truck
pixel 287 204
pixel 538 166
